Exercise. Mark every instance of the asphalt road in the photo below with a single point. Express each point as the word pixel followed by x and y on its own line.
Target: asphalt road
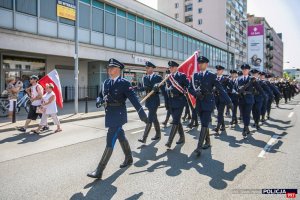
pixel 54 166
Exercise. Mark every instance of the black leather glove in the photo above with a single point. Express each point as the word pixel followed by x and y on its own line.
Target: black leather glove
pixel 199 94
pixel 143 116
pixel 99 102
pixel 156 87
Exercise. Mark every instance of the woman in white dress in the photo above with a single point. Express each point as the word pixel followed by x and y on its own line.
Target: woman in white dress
pixel 49 107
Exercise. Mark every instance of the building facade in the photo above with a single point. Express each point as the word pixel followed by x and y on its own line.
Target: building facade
pixel 272 46
pixel 34 40
pixel 221 19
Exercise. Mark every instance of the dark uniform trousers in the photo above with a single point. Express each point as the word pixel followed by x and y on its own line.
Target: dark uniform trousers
pixel 268 99
pixel 259 96
pixel 220 99
pixel 153 102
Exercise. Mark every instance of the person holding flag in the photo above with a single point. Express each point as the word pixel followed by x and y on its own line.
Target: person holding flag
pixel 201 87
pixel 151 82
pixel 176 89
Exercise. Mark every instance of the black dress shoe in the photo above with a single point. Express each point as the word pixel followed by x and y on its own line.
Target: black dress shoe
pixel 94 174
pixel 22 129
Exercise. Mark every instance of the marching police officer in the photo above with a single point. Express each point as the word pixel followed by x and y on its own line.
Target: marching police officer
pixel 201 87
pixel 176 86
pixel 275 92
pixel 113 96
pixel 246 86
pixel 268 100
pixel 220 99
pixel 259 96
pixel 166 98
pixel 151 82
pixel 233 94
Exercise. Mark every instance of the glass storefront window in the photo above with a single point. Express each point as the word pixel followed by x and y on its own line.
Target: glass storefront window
pixel 22 67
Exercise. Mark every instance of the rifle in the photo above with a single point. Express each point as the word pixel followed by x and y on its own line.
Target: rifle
pixel 243 88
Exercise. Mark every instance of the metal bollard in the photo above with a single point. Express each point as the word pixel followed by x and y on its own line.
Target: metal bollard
pixel 86 104
pixel 14 112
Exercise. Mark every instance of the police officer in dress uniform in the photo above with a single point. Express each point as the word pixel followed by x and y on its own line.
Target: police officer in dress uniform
pixel 151 82
pixel 268 100
pixel 201 87
pixel 259 96
pixel 113 96
pixel 275 92
pixel 220 99
pixel 175 86
pixel 233 94
pixel 246 100
pixel 166 98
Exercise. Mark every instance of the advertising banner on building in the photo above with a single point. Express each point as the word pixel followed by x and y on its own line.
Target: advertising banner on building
pixel 66 10
pixel 256 46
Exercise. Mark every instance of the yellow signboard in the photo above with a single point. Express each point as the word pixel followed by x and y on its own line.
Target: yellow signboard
pixel 66 10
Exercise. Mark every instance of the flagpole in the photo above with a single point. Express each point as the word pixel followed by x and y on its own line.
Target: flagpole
pixel 76 59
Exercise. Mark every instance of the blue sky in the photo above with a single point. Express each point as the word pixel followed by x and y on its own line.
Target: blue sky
pixel 283 16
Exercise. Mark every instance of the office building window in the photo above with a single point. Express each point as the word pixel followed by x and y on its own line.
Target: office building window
pixel 199 1
pixel 180 43
pixel 148 32
pixel 6 4
pixel 131 26
pixel 84 16
pixel 175 41
pixel 199 10
pixel 48 9
pixel 176 15
pixel 140 32
pixel 121 24
pixel 110 20
pixel 97 19
pixel 164 37
pixel 170 39
pixel 188 18
pixel 199 21
pixel 27 6
pixel 188 7
pixel 185 45
pixel 176 5
pixel 157 37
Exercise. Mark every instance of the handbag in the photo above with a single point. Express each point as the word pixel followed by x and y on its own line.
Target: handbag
pixel 40 109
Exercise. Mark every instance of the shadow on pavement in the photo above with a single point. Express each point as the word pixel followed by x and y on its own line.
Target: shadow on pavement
pixel 100 189
pixel 135 197
pixel 25 138
pixel 176 162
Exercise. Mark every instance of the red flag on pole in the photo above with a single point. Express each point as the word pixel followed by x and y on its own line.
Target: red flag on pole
pixel 53 78
pixel 189 67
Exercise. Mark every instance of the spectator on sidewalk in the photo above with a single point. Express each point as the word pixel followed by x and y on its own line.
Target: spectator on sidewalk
pixel 49 107
pixel 13 90
pixel 36 93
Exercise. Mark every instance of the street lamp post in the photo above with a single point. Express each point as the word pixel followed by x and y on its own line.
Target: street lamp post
pixel 76 60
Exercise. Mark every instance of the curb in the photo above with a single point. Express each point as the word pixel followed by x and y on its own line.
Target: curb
pixel 62 121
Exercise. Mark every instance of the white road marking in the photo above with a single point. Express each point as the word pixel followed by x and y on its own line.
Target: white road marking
pixel 139 131
pixel 268 146
pixel 291 115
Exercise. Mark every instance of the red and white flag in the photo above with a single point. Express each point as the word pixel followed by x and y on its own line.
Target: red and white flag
pixel 53 77
pixel 189 67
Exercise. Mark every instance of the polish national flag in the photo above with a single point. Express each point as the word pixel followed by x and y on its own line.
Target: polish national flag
pixel 53 77
pixel 189 67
